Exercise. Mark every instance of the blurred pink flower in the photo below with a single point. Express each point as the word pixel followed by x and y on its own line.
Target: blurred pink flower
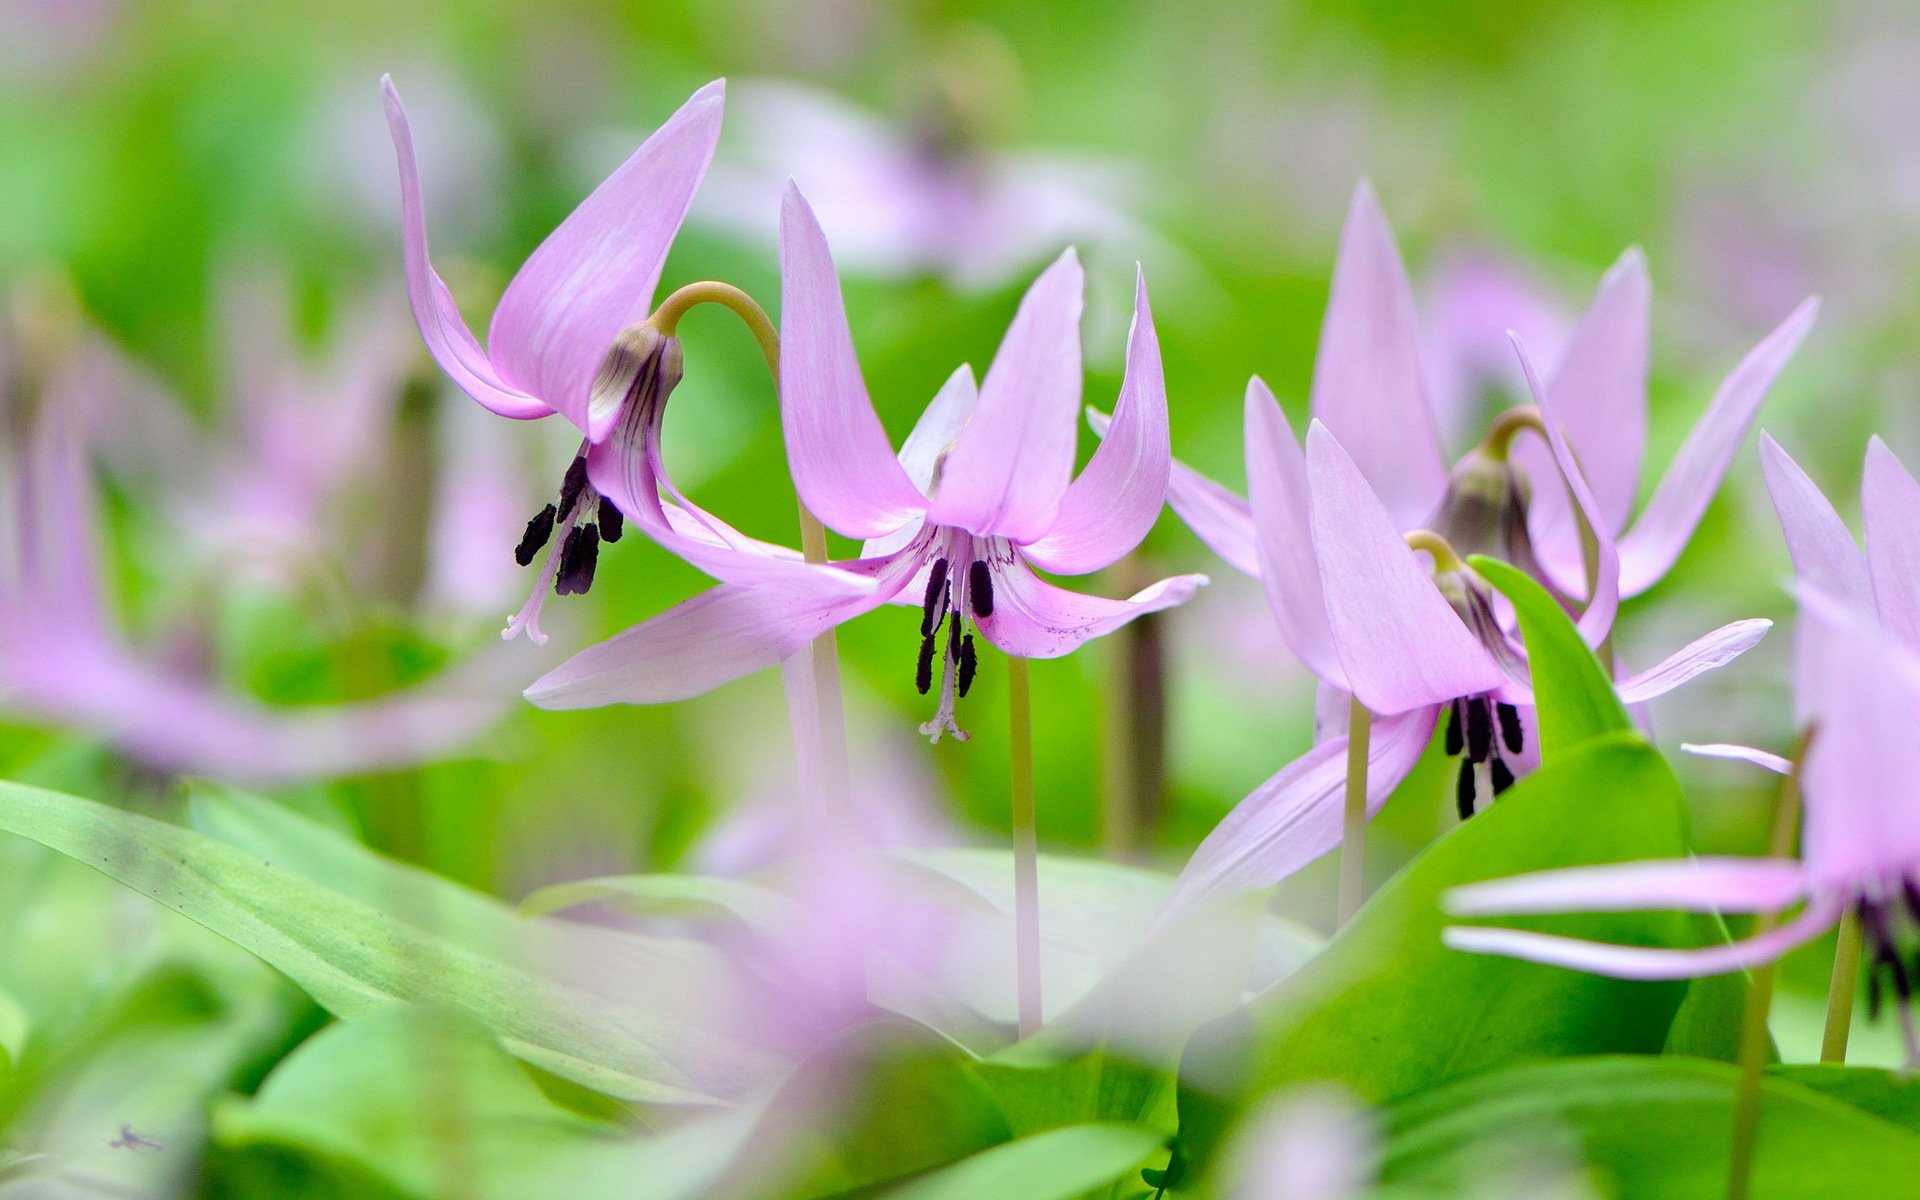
pixel 981 492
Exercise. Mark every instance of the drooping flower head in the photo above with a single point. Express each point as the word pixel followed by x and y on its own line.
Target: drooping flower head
pixel 980 493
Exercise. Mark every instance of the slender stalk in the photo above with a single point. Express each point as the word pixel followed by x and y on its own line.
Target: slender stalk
pixel 1353 827
pixel 822 742
pixel 1846 975
pixel 1753 1030
pixel 1026 848
pixel 1136 728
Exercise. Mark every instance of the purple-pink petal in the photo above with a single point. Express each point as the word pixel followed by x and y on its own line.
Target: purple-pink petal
pixel 1369 386
pixel 1283 528
pixel 1011 466
pixel 843 465
pixel 1400 643
pixel 1115 501
pixel 594 275
pixel 1824 553
pixel 1034 619
pixel 1703 654
pixel 939 424
pixel 1649 549
pixel 1217 517
pixel 1890 502
pixel 1764 759
pixel 1689 884
pixel 1599 388
pixel 1645 962
pixel 445 331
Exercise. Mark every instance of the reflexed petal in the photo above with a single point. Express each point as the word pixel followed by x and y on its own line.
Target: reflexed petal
pixel 1689 884
pixel 1748 754
pixel 1697 657
pixel 1648 551
pixel 448 339
pixel 1034 619
pixel 1115 501
pixel 717 637
pixel 1011 466
pixel 1825 556
pixel 1644 962
pixel 843 466
pixel 1294 817
pixel 1368 382
pixel 1891 502
pixel 1401 644
pixel 1283 535
pixel 595 274
pixel 1599 389
pixel 1217 517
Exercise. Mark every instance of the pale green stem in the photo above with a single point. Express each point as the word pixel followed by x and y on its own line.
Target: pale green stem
pixel 1026 848
pixel 1353 826
pixel 1846 975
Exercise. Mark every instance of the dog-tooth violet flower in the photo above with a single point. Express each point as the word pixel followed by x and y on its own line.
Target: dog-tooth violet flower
pixel 572 335
pixel 1859 690
pixel 981 492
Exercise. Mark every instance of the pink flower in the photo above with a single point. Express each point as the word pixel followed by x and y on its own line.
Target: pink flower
pixel 981 492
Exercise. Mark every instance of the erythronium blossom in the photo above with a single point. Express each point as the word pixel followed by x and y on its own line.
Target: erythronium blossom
pixel 980 493
pixel 571 336
pixel 1859 689
pixel 1371 389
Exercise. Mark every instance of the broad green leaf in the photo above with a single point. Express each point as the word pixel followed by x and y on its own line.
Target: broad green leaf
pixel 1650 1128
pixel 354 959
pixel 1389 1011
pixel 1055 1165
pixel 14 1026
pixel 1887 1094
pixel 1708 1022
pixel 1574 692
pixel 1095 1086
pixel 426 1103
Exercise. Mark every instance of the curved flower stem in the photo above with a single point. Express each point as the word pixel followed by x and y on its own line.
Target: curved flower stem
pixel 1753 1030
pixel 1846 975
pixel 1026 848
pixel 819 719
pixel 1498 444
pixel 1353 826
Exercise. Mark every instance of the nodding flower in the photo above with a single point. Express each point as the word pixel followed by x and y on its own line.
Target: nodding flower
pixel 572 336
pixel 1359 540
pixel 980 493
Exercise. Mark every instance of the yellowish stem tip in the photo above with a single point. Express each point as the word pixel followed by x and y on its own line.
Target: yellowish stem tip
pixel 1444 558
pixel 1507 426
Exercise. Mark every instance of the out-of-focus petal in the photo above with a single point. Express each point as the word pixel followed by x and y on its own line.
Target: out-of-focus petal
pixel 1645 962
pixel 1697 657
pixel 1825 555
pixel 1294 817
pixel 1747 754
pixel 445 331
pixel 1283 535
pixel 1115 501
pixel 843 466
pixel 1368 382
pixel 721 635
pixel 1401 644
pixel 1890 501
pixel 1034 619
pixel 1315 1144
pixel 1599 388
pixel 1596 620
pixel 594 275
pixel 1011 466
pixel 1689 884
pixel 1649 549
pixel 941 422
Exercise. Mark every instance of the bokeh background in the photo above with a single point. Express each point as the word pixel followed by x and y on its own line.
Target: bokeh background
pixel 197 193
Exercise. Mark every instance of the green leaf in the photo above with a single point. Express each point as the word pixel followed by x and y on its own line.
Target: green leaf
pixel 354 958
pixel 425 1102
pixel 758 908
pixel 1055 1165
pixel 14 1025
pixel 1096 1086
pixel 1389 1011
pixel 1574 692
pixel 1886 1094
pixel 1650 1128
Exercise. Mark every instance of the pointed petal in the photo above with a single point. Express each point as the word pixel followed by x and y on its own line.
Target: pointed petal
pixel 594 275
pixel 721 635
pixel 1599 388
pixel 1368 382
pixel 1688 884
pixel 1890 500
pixel 1596 620
pixel 1294 817
pixel 1283 535
pixel 445 331
pixel 1644 962
pixel 843 466
pixel 1115 501
pixel 939 426
pixel 1697 657
pixel 1649 549
pixel 1034 619
pixel 1748 754
pixel 1824 554
pixel 1011 466
pixel 1400 643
